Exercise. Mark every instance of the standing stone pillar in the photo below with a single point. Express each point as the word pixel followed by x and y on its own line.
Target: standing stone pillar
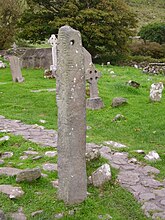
pixel 71 117
pixel 15 69
pixel 92 76
pixel 53 41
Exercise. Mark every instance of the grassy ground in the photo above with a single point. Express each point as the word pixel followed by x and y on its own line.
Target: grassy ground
pixel 142 129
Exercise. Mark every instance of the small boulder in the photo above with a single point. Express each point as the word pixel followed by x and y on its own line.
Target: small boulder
pixel 49 167
pixel 118 117
pixel 133 84
pixel 92 154
pixel 28 175
pixel 152 155
pixel 118 101
pixel 101 175
pixel 11 191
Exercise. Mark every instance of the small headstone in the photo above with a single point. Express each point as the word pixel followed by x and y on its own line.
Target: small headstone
pixel 92 76
pixel 156 91
pixel 28 175
pixel 71 117
pixel 118 101
pixel 15 69
pixel 101 175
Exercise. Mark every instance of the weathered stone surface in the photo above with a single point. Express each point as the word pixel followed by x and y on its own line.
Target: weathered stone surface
pixel 5 138
pixel 58 215
pixel 94 103
pixel 36 213
pixel 55 183
pixel 156 92
pixel 118 101
pixel 152 155
pixel 2 65
pixel 160 192
pixel 1 162
pixel 159 215
pixel 150 206
pixel 115 144
pixel 119 117
pixel 9 171
pixel 92 154
pixel 19 215
pixel 2 215
pixel 149 182
pixel 50 153
pixel 49 167
pixel 149 169
pixel 28 175
pixel 30 152
pixel 128 177
pixel 6 155
pixel 15 69
pixel 11 191
pixel 147 196
pixel 101 175
pixel 71 117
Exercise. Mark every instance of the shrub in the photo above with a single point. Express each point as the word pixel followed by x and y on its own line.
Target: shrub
pixel 153 32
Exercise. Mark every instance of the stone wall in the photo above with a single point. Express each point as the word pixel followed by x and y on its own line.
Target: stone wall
pixel 37 58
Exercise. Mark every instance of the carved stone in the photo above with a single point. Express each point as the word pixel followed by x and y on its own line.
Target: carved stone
pixel 71 117
pixel 92 76
pixel 15 69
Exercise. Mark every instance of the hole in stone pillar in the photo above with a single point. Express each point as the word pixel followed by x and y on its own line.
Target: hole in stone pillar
pixel 91 78
pixel 90 71
pixel 96 77
pixel 95 71
pixel 71 42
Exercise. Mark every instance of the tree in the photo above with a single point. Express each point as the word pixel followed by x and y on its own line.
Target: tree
pixel 105 25
pixel 154 32
pixel 10 11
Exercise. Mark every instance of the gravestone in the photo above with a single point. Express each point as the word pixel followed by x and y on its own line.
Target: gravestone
pixel 15 69
pixel 53 41
pixel 71 117
pixel 92 76
pixel 156 92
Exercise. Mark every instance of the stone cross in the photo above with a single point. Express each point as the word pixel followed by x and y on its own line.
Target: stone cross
pixel 53 41
pixel 156 91
pixel 71 104
pixel 15 69
pixel 92 76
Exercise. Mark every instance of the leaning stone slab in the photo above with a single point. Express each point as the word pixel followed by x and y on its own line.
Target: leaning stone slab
pixel 9 171
pixel 28 175
pixel 71 117
pixel 101 175
pixel 15 69
pixel 11 191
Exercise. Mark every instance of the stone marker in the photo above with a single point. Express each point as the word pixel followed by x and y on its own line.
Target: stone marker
pixel 71 117
pixel 15 69
pixel 53 41
pixel 92 76
pixel 156 91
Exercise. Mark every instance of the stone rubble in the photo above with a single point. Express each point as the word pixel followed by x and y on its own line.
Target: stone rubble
pixel 134 176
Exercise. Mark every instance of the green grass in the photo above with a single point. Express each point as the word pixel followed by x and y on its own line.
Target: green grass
pixel 142 129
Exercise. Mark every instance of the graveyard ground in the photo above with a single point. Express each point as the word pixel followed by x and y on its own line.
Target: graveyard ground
pixel 143 128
